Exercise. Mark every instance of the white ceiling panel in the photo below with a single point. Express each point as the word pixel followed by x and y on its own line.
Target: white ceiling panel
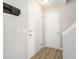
pixel 51 3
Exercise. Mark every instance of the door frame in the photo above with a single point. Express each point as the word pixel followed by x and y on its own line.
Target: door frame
pixel 59 27
pixel 28 26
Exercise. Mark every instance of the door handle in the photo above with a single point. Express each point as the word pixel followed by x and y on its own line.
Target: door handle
pixel 30 31
pixel 30 34
pixel 58 32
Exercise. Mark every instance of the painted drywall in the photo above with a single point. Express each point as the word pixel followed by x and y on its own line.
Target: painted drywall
pixel 34 28
pixel 15 30
pixel 68 18
pixel 36 6
pixel 68 15
pixel 69 42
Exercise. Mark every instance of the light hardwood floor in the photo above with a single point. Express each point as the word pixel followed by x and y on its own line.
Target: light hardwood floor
pixel 49 53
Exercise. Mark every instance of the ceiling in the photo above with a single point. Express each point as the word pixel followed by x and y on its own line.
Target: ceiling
pixel 51 3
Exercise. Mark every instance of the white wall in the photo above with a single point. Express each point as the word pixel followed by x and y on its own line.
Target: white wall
pixel 68 18
pixel 15 38
pixel 69 42
pixel 68 15
pixel 68 28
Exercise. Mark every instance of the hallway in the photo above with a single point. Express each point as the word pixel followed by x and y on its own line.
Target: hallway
pixel 39 29
pixel 49 53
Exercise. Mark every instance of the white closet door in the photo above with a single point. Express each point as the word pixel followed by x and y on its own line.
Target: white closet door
pixel 34 31
pixel 52 30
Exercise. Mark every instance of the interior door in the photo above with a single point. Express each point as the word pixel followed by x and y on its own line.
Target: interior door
pixel 52 30
pixel 34 32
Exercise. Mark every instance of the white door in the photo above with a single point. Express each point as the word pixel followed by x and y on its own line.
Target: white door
pixel 34 32
pixel 52 30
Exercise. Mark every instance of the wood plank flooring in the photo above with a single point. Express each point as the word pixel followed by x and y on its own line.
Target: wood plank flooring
pixel 49 53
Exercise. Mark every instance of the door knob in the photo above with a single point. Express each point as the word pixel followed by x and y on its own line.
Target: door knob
pixel 30 31
pixel 58 32
pixel 30 34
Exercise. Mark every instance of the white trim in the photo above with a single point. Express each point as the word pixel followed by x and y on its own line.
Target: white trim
pixel 58 25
